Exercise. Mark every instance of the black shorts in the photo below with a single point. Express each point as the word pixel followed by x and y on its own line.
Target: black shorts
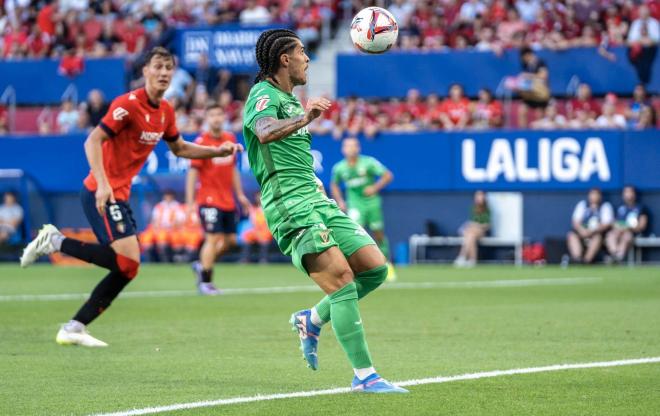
pixel 118 221
pixel 215 220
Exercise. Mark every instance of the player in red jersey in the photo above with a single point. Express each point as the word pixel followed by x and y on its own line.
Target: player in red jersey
pixel 116 151
pixel 218 181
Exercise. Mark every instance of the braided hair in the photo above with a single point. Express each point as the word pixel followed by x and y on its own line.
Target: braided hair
pixel 270 46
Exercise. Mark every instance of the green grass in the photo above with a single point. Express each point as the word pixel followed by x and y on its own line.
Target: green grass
pixel 166 350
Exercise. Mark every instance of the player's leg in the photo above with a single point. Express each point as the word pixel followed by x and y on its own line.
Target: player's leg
pixel 331 271
pixel 625 242
pixel 574 244
pixel 207 257
pixel 119 251
pixel 593 247
pixel 612 242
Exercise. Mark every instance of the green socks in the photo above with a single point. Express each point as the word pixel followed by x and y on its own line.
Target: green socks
pixel 364 282
pixel 384 246
pixel 347 324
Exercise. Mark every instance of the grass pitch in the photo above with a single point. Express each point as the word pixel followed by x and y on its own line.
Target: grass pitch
pixel 169 346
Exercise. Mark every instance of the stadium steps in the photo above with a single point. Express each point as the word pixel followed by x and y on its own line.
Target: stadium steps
pixel 322 70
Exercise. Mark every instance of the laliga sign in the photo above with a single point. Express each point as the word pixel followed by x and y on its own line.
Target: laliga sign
pixel 562 160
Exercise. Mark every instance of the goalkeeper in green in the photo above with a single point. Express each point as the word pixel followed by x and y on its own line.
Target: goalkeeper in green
pixel 363 177
pixel 324 243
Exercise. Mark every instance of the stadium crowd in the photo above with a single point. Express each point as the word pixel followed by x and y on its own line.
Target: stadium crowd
pixel 74 29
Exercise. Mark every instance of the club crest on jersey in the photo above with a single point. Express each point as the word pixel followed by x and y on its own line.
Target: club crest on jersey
pixel 119 113
pixel 262 102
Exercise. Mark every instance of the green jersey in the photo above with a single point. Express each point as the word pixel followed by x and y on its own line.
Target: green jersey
pixel 284 168
pixel 357 177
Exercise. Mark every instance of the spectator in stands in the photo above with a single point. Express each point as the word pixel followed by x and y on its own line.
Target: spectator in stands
pixel 404 123
pixel 68 117
pixel 592 218
pixel 11 217
pixel 610 119
pixel 532 85
pixel 256 233
pixel 509 28
pixel 639 101
pixel 471 9
pixel 643 39
pixel 455 109
pixel 4 122
pixel 583 101
pixel 167 216
pixel 487 112
pixel 402 10
pixel 473 230
pixel 528 9
pixel 95 107
pixel 309 21
pixel 631 220
pixel 581 120
pixel 551 118
pixel 254 14
pixel 647 119
pixel 182 85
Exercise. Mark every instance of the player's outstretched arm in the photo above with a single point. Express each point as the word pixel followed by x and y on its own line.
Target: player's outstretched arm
pixel 94 152
pixel 188 150
pixel 270 129
pixel 191 182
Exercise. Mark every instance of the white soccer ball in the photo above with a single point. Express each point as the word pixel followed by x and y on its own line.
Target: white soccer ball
pixel 374 30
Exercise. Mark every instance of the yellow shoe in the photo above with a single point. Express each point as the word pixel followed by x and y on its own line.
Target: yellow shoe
pixel 391 273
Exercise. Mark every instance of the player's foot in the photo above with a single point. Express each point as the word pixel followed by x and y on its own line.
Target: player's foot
pixel 375 384
pixel 207 289
pixel 77 336
pixel 40 246
pixel 197 270
pixel 301 322
pixel 391 273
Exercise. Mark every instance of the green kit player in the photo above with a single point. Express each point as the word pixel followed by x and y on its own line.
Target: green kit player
pixel 363 177
pixel 323 241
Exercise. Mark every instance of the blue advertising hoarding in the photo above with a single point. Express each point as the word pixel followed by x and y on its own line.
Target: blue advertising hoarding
pixel 459 161
pixel 227 46
pixel 394 73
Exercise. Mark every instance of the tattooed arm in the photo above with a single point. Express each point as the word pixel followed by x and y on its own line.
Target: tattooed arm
pixel 269 129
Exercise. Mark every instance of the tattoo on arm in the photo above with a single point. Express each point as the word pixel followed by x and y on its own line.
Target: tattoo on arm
pixel 269 129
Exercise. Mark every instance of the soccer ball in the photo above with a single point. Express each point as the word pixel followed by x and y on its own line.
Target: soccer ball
pixel 374 30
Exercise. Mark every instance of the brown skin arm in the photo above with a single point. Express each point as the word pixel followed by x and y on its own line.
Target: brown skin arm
pixel 191 181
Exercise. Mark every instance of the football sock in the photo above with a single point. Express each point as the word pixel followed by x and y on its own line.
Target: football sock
pixel 101 255
pixel 384 246
pixel 207 275
pixel 102 296
pixel 347 324
pixel 315 317
pixel 74 326
pixel 363 373
pixel 365 282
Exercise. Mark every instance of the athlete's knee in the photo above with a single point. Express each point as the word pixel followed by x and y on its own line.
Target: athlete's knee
pixel 342 276
pixel 370 280
pixel 127 266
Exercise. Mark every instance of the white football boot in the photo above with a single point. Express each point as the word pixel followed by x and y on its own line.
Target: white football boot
pixel 40 246
pixel 68 335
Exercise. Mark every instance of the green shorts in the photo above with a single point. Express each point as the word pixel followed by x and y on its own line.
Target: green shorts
pixel 370 216
pixel 315 227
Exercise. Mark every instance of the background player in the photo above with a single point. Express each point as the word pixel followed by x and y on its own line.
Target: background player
pixel 363 177
pixel 116 151
pixel 218 180
pixel 324 243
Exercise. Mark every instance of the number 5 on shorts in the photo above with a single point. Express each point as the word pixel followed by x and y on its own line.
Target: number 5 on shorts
pixel 115 213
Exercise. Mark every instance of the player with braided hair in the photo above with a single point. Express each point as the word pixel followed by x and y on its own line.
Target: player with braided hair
pixel 324 242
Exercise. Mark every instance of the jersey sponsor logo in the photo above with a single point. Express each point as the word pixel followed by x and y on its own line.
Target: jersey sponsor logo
pixel 150 137
pixel 262 103
pixel 119 113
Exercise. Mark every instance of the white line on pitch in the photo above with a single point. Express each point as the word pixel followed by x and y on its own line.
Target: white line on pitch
pixel 310 288
pixel 417 382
